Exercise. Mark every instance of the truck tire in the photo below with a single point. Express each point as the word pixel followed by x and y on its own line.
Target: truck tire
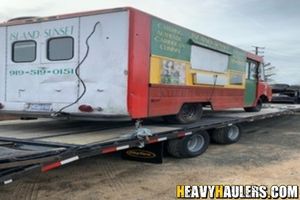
pixel 188 113
pixel 189 146
pixel 226 135
pixel 256 108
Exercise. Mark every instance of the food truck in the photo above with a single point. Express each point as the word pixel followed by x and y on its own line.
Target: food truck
pixel 120 64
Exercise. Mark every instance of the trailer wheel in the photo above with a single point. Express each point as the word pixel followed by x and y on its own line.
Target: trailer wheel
pixel 189 146
pixel 226 135
pixel 256 108
pixel 188 113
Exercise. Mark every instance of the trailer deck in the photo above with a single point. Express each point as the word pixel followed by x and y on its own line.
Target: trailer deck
pixel 42 145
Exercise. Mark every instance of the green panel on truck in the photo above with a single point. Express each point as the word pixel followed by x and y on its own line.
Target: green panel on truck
pixel 250 92
pixel 170 40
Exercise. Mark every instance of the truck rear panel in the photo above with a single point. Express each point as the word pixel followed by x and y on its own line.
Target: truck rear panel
pixel 39 62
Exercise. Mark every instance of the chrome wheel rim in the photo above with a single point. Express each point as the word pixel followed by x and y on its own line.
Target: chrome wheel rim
pixel 233 132
pixel 195 143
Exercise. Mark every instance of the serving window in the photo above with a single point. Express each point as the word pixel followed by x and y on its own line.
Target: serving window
pixel 209 60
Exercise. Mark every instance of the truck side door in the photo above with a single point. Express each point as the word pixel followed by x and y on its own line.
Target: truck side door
pixel 251 82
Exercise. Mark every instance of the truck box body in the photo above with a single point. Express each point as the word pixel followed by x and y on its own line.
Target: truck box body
pixel 119 63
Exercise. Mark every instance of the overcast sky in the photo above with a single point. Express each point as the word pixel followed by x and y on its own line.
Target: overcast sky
pixel 274 24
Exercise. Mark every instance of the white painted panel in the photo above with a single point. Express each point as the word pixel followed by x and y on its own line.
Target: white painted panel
pixel 56 29
pixel 42 81
pixel 2 63
pixel 210 79
pixel 208 60
pixel 21 86
pixel 105 69
pixel 61 85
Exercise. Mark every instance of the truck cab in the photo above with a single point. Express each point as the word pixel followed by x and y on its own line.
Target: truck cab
pixel 257 90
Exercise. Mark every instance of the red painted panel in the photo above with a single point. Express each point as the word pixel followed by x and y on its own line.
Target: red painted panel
pixel 167 99
pixel 139 63
pixel 264 89
pixel 254 57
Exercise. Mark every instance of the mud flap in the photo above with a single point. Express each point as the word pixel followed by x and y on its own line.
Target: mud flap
pixel 152 153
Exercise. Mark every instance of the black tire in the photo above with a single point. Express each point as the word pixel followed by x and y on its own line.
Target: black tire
pixel 189 146
pixel 188 113
pixel 256 108
pixel 226 135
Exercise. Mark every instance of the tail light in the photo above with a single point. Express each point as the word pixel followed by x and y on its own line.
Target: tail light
pixel 85 108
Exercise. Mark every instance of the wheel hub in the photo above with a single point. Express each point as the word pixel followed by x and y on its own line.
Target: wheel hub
pixel 233 132
pixel 195 143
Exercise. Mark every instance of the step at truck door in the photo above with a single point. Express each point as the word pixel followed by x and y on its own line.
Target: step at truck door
pixel 41 62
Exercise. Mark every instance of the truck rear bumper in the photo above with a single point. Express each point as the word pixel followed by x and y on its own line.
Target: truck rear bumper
pixel 67 116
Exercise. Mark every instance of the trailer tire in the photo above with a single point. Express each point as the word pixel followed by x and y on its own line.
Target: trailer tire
pixel 256 108
pixel 226 135
pixel 188 113
pixel 189 146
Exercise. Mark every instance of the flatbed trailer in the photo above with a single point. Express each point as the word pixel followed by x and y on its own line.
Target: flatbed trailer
pixel 28 146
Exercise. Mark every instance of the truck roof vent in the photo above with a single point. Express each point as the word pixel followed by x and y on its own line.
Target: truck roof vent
pixel 27 19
